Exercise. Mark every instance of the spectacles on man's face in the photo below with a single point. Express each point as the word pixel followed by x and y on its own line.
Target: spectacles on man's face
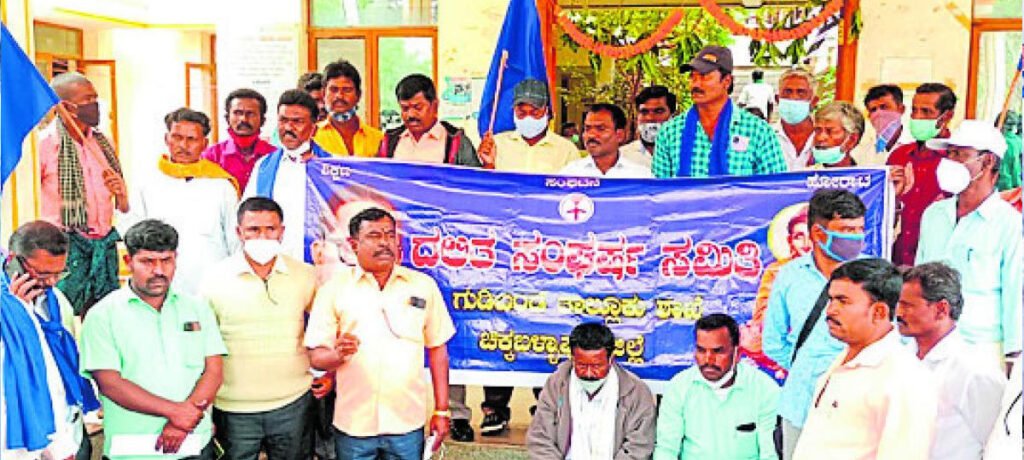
pixel 54 277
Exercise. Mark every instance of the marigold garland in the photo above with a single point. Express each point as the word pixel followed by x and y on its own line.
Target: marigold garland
pixel 806 27
pixel 613 51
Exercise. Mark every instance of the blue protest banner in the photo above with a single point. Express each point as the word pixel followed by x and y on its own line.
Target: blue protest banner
pixel 521 258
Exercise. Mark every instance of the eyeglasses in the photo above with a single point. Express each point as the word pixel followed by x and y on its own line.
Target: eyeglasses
pixel 41 275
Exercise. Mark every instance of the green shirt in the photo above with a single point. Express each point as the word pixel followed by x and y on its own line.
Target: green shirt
pixel 694 423
pixel 164 352
pixel 753 147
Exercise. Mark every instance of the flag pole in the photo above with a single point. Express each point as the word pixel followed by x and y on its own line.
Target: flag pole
pixel 1006 102
pixel 497 90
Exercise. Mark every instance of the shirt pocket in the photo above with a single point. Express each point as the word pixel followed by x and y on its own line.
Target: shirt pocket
pixel 405 320
pixel 980 264
pixel 745 440
pixel 192 343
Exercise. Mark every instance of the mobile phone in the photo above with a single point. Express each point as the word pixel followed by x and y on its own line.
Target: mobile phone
pixel 14 267
pixel 428 446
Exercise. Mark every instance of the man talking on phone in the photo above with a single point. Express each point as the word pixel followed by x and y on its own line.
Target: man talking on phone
pixel 43 398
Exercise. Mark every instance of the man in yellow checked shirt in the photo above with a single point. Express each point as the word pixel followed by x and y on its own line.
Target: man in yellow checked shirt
pixel 195 196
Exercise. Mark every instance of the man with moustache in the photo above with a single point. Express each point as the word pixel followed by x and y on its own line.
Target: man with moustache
pixel 969 391
pixel 721 407
pixel 655 105
pixel 245 111
pixel 344 133
pixel 155 354
pixel 797 100
pixel 80 186
pixel 838 128
pixel 604 130
pixel 381 402
pixel 876 400
pixel 281 175
pixel 715 137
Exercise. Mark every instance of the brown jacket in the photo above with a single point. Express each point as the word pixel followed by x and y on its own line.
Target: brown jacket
pixel 635 415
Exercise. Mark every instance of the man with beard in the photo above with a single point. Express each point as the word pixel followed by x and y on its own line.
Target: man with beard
pixel 721 407
pixel 155 354
pixel 655 105
pixel 81 184
pixel 715 137
pixel 281 176
pixel 592 408
pixel 245 111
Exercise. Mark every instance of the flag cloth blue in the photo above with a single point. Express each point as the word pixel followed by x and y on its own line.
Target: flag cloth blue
pixel 24 98
pixel 521 38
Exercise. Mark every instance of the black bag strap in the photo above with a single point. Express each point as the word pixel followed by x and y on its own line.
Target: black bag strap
pixel 812 319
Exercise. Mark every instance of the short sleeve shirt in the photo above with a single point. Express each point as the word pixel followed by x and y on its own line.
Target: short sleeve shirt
pixel 381 387
pixel 164 352
pixel 365 142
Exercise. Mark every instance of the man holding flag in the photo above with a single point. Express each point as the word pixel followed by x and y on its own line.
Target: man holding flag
pixel 531 148
pixel 715 137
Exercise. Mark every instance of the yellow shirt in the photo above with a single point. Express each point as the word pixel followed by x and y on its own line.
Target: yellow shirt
pixel 547 156
pixel 380 389
pixel 365 142
pixel 262 325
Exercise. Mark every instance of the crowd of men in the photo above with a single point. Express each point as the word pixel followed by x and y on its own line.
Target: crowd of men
pixel 223 331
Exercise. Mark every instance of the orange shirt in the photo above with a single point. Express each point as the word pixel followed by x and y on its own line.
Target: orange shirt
pixel 381 389
pixel 365 142
pixel 99 204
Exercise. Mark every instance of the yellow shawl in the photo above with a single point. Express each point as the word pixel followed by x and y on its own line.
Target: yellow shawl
pixel 201 168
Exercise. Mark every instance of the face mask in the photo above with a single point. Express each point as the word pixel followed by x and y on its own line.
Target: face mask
pixel 298 151
pixel 342 117
pixel 842 247
pixel 243 141
pixel 89 114
pixel 828 156
pixel 262 251
pixel 649 132
pixel 923 130
pixel 530 127
pixel 793 111
pixel 591 386
pixel 886 124
pixel 718 384
pixel 954 177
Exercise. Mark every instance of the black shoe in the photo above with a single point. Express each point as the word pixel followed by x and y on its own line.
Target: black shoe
pixel 493 425
pixel 461 431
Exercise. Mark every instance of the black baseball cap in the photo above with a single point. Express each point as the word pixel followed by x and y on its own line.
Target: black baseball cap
pixel 710 58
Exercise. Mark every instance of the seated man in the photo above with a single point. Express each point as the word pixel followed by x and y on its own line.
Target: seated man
pixel 720 408
pixel 591 408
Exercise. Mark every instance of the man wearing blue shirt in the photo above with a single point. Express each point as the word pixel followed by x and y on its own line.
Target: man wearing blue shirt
pixel 978 234
pixel 836 225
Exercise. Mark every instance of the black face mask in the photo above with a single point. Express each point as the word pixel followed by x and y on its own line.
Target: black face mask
pixel 89 114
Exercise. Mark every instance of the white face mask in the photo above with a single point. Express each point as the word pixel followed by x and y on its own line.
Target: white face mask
pixel 530 127
pixel 726 377
pixel 298 151
pixel 649 131
pixel 954 177
pixel 262 251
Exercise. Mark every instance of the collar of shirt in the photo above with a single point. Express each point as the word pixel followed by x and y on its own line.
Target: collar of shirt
pixel 241 266
pixel 326 125
pixel 986 210
pixel 873 355
pixel 397 272
pixel 131 297
pixel 259 148
pixel 947 347
pixel 543 141
pixel 294 156
pixel 435 132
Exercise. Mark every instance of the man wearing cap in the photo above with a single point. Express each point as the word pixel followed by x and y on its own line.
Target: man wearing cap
pixel 531 148
pixel 979 234
pixel 715 137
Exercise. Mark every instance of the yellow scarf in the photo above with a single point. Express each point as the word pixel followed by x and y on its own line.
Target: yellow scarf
pixel 201 168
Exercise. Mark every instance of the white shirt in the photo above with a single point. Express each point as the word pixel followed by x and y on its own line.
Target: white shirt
pixel 290 194
pixel 593 420
pixel 637 153
pixel 969 396
pixel 1005 441
pixel 202 210
pixel 796 160
pixel 67 420
pixel 757 95
pixel 879 406
pixel 623 169
pixel 864 152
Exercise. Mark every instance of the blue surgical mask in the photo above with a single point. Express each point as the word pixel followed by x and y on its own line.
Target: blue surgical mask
pixel 842 247
pixel 793 111
pixel 530 127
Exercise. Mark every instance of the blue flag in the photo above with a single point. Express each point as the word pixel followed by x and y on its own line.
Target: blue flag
pixel 520 37
pixel 24 99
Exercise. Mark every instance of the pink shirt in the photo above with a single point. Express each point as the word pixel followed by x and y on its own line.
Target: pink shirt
pixel 99 202
pixel 227 155
pixel 429 149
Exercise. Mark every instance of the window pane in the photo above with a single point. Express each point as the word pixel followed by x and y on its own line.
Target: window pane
pixel 997 9
pixel 352 50
pixel 56 40
pixel 401 56
pixel 354 13
pixel 998 54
